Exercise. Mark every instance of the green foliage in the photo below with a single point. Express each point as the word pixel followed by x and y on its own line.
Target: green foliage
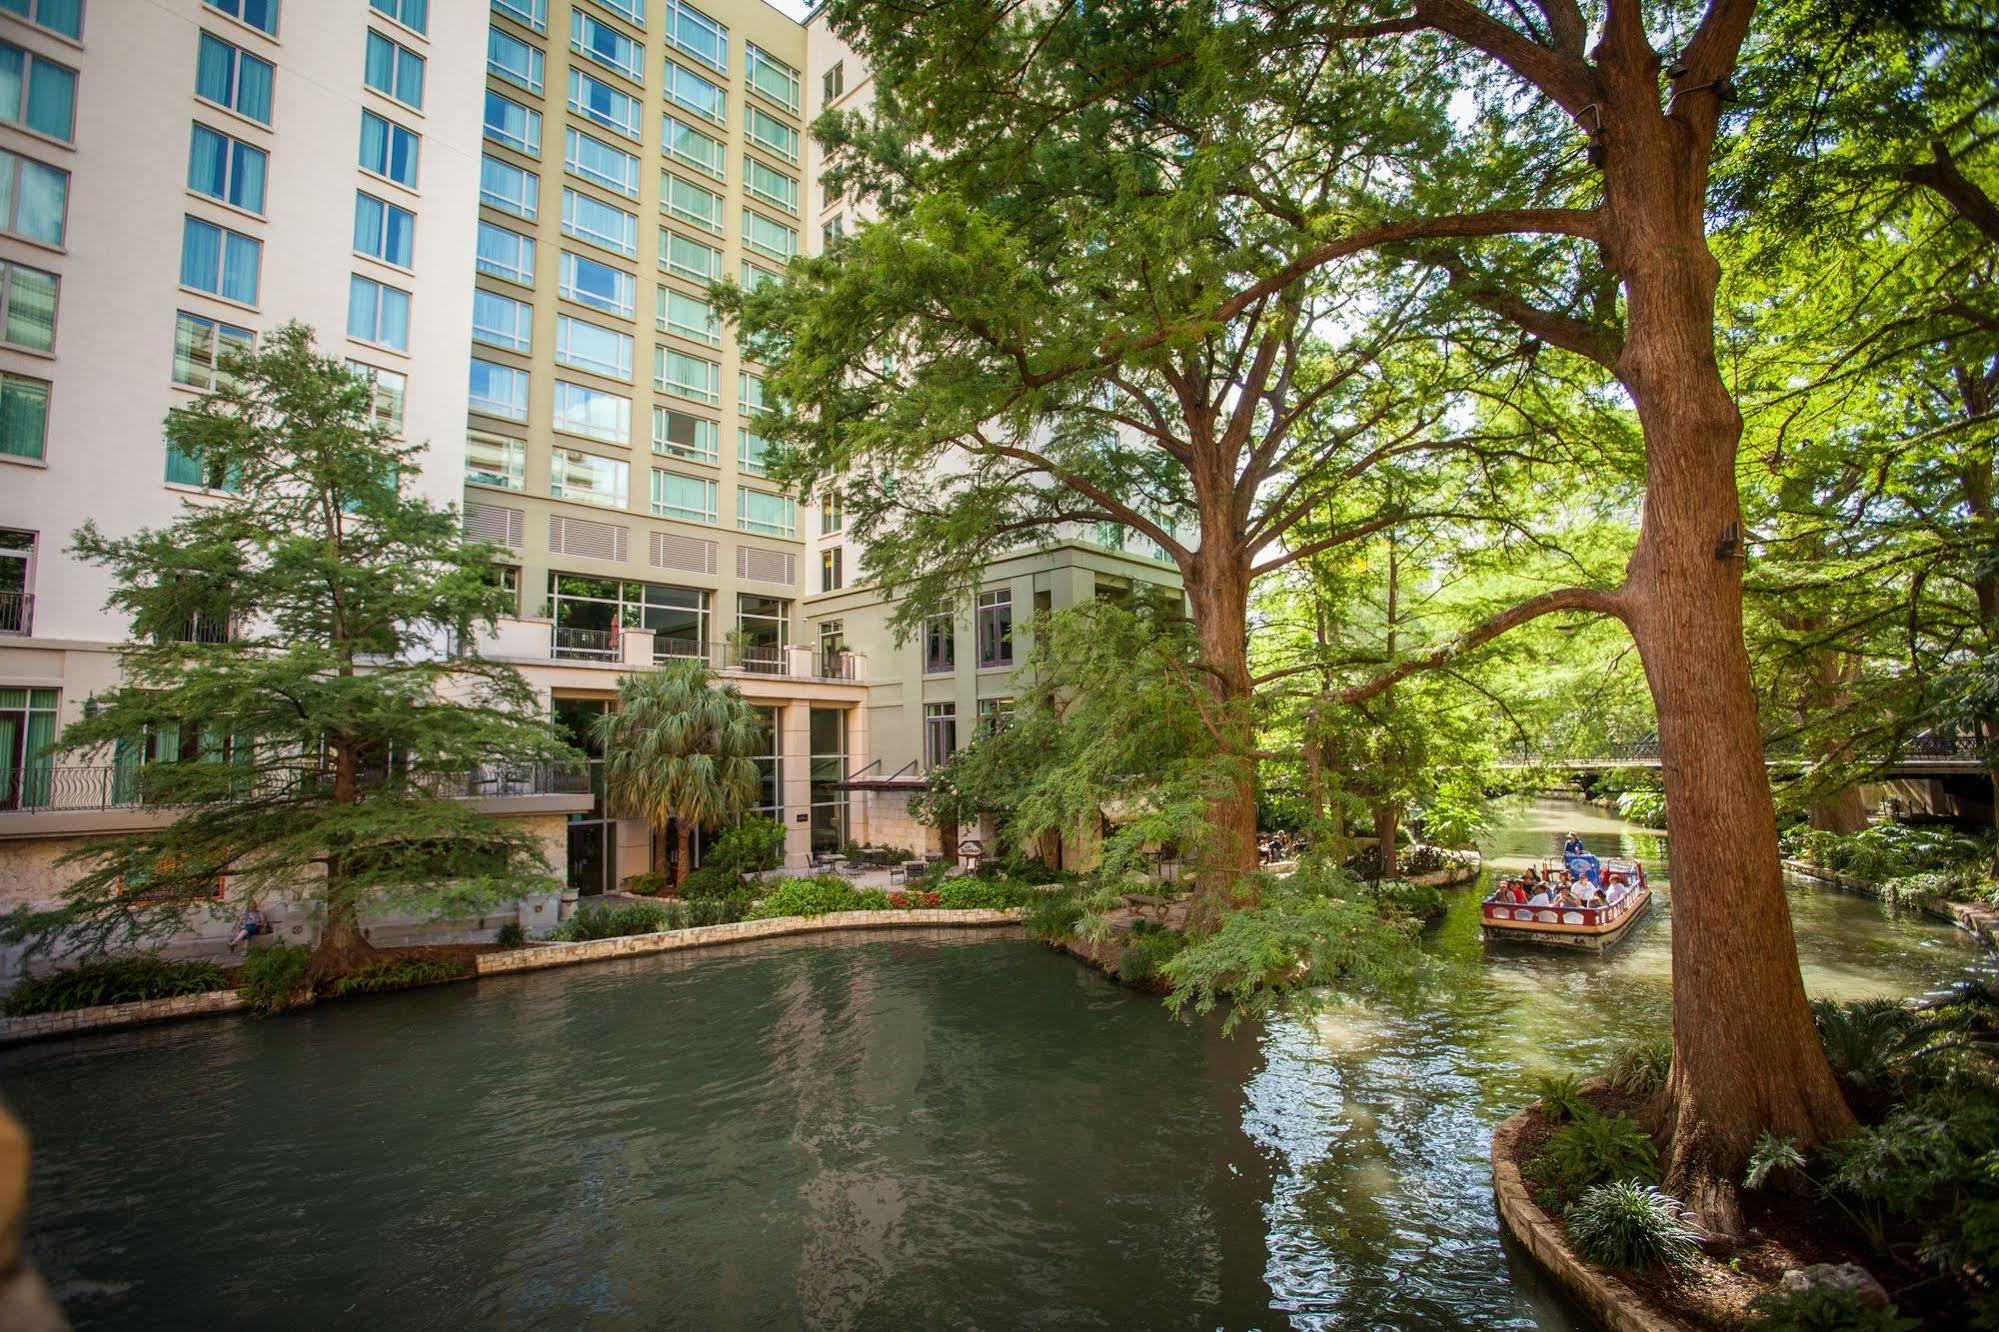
pixel 750 847
pixel 1561 1097
pixel 680 748
pixel 1317 928
pixel 613 922
pixel 1641 1067
pixel 817 897
pixel 393 974
pixel 274 979
pixel 1867 1041
pixel 970 891
pixel 1417 900
pixel 1590 1149
pixel 1823 1309
pixel 1770 1155
pixel 317 745
pixel 1056 916
pixel 711 880
pixel 1148 951
pixel 1646 807
pixel 1630 1225
pixel 120 981
pixel 648 884
pixel 1891 851
pixel 511 935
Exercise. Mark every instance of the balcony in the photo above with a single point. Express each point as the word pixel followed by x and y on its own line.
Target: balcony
pixel 533 641
pixel 17 612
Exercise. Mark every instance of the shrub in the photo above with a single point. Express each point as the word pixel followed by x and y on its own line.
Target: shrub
pixel 614 922
pixel 511 935
pixel 710 881
pixel 990 894
pixel 1641 1067
pixel 1419 900
pixel 1646 807
pixel 646 885
pixel 1887 851
pixel 1631 1225
pixel 1822 1309
pixel 1147 952
pixel 1864 1041
pixel 119 981
pixel 273 979
pixel 1921 889
pixel 751 847
pixel 1591 1149
pixel 393 974
pixel 1561 1097
pixel 816 897
pixel 1055 917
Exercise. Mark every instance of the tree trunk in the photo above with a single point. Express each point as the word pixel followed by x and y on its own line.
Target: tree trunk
pixel 1843 812
pixel 658 840
pixel 1746 1055
pixel 1387 818
pixel 686 852
pixel 1218 595
pixel 342 948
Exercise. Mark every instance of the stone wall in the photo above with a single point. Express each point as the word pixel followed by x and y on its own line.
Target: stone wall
pixel 108 1017
pixel 702 936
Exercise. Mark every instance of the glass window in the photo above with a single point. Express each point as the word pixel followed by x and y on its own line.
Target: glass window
pixel 64 17
pixel 768 132
pixel 226 169
pixel 24 417
pixel 692 31
pixel 388 391
pixel 995 628
pixel 220 261
pixel 601 42
pixel 749 392
pixel 514 60
pixel 689 259
pixel 830 572
pixel 231 77
pixel 393 70
pixel 683 143
pixel 600 164
pixel 688 498
pixel 599 101
pixel 831 230
pixel 756 275
pixel 506 254
pixel 199 345
pixel 378 314
pixel 687 376
pixel 501 321
pixel 533 13
pixel 994 714
pixel 768 237
pixel 259 14
pixel 689 202
pixel 581 410
pixel 588 478
pixel 830 517
pixel 599 223
pixel 499 390
pixel 36 93
pixel 517 126
pixel 940 732
pixel 770 184
pixel 684 435
pixel 632 11
pixel 508 187
pixel 694 93
pixel 387 149
pixel 28 307
pixel 940 645
pixel 770 77
pixel 834 81
pixel 412 14
pixel 761 511
pixel 751 449
pixel 493 461
pixel 601 286
pixel 382 230
pixel 687 316
pixel 601 351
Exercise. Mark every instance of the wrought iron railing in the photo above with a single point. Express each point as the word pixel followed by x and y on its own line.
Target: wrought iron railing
pixel 41 789
pixel 17 612
pixel 756 658
pixel 1931 746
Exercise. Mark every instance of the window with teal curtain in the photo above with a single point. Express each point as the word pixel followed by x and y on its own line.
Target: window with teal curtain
pixel 24 417
pixel 59 16
pixel 27 730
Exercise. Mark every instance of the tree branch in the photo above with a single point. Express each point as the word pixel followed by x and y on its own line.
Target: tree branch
pixel 1562 599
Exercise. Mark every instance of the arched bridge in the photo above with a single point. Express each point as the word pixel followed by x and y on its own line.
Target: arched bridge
pixel 1923 756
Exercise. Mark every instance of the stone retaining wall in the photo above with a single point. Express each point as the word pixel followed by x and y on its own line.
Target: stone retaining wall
pixel 537 956
pixel 1610 1302
pixel 106 1017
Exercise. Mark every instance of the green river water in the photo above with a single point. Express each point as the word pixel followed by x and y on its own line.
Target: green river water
pixel 951 1129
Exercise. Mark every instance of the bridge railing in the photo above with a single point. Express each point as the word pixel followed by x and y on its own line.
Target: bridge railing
pixel 1930 747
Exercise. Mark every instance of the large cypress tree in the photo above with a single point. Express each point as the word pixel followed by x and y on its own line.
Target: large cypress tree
pixel 292 697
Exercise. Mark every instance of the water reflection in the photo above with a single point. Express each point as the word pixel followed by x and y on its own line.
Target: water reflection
pixel 891 1131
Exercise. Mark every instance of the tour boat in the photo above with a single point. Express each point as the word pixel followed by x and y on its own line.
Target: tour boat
pixel 1592 927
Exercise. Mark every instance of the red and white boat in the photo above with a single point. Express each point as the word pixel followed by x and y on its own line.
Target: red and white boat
pixel 1540 920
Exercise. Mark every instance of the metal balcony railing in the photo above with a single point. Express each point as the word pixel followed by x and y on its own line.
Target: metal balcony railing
pixel 17 612
pixel 41 789
pixel 574 644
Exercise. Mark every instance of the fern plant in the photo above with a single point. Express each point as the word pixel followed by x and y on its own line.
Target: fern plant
pixel 1823 1309
pixel 1561 1097
pixel 1631 1225
pixel 1771 1154
pixel 1593 1148
pixel 1641 1067
pixel 1865 1041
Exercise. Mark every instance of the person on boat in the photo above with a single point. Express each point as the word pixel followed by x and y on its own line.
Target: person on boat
pixel 1573 846
pixel 1588 894
pixel 1540 896
pixel 1565 897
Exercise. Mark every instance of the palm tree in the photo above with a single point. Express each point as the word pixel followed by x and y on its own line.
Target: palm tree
pixel 678 752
